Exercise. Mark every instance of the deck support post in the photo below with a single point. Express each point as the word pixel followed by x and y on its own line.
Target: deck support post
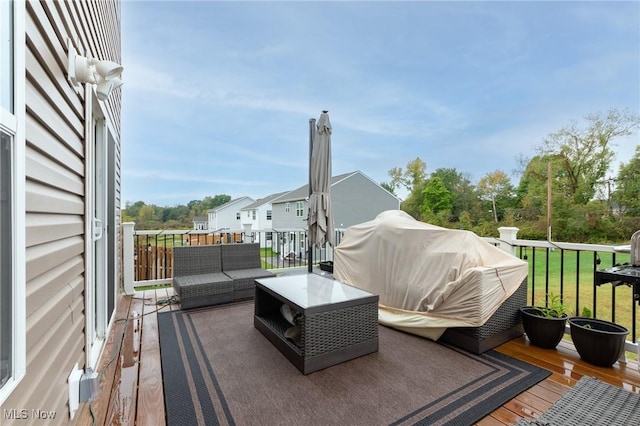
pixel 127 257
pixel 508 236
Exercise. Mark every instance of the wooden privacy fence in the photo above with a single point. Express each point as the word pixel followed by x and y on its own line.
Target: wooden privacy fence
pixel 152 262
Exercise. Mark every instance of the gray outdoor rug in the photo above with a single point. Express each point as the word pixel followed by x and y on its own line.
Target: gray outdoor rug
pixel 218 369
pixel 591 402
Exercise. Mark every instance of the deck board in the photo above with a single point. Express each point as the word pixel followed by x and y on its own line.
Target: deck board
pixel 147 408
pixel 150 394
pixel 123 402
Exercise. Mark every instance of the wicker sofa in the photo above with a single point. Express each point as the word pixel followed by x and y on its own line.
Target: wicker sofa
pixel 210 275
pixel 197 277
pixel 241 263
pixel 504 325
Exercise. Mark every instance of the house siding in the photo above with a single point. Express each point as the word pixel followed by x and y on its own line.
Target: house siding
pixel 56 185
pixel 282 220
pixel 358 199
pixel 225 217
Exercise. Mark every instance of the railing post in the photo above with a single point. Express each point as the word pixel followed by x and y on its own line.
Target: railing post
pixel 508 235
pixel 127 257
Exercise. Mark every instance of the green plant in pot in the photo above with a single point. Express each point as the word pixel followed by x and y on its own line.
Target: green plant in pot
pixel 545 325
pixel 597 341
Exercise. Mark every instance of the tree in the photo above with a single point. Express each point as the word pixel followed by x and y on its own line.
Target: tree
pixel 627 193
pixel 133 209
pixel 397 179
pixel 389 187
pixel 463 196
pixel 146 217
pixel 586 153
pixel 493 186
pixel 416 173
pixel 436 197
pixel 413 179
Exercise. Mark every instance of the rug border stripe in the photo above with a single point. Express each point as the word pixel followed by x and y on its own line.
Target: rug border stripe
pixel 204 399
pixel 530 377
pixel 169 344
pixel 512 367
pixel 214 378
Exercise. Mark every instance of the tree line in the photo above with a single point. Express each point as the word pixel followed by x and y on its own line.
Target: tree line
pixel 563 191
pixel 151 216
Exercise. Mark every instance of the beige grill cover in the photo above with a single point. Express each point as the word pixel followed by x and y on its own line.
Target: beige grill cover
pixel 428 278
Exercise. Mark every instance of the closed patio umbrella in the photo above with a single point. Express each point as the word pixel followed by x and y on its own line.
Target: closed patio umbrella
pixel 321 228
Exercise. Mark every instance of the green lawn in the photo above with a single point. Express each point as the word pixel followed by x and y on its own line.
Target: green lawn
pixel 575 284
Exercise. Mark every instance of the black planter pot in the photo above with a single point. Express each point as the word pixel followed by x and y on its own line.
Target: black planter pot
pixel 544 332
pixel 598 342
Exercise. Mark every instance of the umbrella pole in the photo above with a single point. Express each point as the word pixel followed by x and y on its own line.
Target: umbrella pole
pixel 312 128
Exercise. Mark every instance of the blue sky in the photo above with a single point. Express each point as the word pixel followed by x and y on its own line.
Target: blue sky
pixel 218 95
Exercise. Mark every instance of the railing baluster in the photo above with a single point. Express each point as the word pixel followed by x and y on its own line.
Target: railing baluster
pixel 533 275
pixel 578 281
pixel 546 278
pixel 561 275
pixel 613 288
pixel 634 337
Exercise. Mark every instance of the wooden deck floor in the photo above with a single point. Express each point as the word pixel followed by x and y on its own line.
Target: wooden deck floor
pixel 131 387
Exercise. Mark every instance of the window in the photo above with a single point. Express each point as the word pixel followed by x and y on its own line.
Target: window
pixel 268 214
pixel 299 208
pixel 6 260
pixel 253 214
pixel 287 207
pixel 12 206
pixel 238 216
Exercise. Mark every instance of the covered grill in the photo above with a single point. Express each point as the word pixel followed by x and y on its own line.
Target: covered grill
pixel 428 278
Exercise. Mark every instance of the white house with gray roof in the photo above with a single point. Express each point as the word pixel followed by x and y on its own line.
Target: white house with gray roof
pixel 257 217
pixel 200 223
pixel 228 216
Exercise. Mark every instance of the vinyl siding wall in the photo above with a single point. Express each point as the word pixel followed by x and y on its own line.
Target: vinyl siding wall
pixel 358 199
pixel 226 216
pixel 282 220
pixel 55 195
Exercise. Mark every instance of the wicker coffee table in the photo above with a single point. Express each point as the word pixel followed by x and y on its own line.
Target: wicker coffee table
pixel 338 322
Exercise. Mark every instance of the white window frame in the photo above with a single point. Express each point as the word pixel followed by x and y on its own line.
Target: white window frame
pixel 287 207
pixel 13 124
pixel 299 208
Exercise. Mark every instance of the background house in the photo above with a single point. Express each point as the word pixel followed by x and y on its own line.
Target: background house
pixel 227 218
pixel 258 216
pixel 355 198
pixel 60 202
pixel 200 223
